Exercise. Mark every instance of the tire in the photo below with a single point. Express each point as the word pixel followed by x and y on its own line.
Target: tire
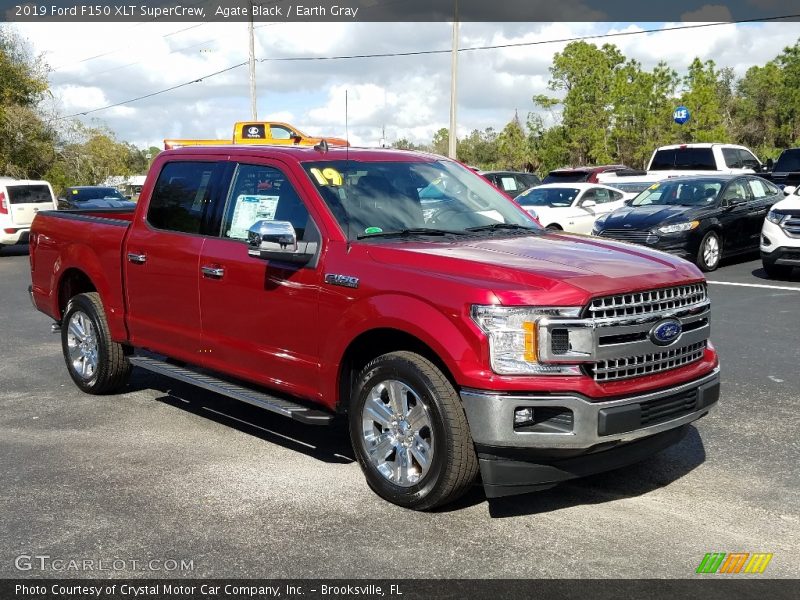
pixel 776 271
pixel 553 227
pixel 96 363
pixel 709 252
pixel 434 457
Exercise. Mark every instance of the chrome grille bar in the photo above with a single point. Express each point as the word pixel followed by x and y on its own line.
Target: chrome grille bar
pixel 642 303
pixel 646 364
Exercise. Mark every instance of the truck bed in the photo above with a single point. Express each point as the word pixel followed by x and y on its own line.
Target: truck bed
pixel 90 240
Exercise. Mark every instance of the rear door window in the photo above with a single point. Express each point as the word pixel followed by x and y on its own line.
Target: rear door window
pixel 732 158
pixel 181 196
pixel 29 194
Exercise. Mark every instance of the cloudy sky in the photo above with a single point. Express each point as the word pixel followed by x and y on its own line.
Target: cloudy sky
pixel 94 65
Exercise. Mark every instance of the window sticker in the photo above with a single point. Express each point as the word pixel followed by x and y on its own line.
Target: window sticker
pixel 654 186
pixel 249 209
pixel 509 184
pixel 327 176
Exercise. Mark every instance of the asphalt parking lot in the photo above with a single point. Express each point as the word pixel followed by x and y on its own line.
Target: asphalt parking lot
pixel 167 472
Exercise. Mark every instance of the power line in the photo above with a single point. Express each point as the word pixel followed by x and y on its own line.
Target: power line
pixel 424 52
pixel 519 44
pixel 164 91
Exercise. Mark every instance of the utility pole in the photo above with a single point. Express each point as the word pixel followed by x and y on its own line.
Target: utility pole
pixel 253 109
pixel 451 149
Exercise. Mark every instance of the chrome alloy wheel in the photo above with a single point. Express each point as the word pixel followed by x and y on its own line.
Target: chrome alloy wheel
pixel 397 433
pixel 82 345
pixel 711 251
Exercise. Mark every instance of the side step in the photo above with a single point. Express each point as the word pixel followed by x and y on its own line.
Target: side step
pixel 274 404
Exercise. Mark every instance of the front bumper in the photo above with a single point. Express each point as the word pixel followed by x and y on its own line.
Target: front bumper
pixel 573 427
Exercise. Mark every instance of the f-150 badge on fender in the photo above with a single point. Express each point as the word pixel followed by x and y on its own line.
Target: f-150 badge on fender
pixel 342 280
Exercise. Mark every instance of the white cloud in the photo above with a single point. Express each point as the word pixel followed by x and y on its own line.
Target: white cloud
pixel 395 97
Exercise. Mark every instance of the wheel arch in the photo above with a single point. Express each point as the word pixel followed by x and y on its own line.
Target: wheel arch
pixel 373 343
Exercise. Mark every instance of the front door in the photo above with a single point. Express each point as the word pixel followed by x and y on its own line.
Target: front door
pixel 260 319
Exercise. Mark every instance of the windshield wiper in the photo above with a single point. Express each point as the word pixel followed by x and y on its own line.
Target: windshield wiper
pixel 409 232
pixel 498 226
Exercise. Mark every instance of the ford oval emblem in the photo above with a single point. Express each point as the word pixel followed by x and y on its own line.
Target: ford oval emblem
pixel 665 332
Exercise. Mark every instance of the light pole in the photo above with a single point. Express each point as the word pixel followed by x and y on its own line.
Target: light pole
pixel 252 66
pixel 451 148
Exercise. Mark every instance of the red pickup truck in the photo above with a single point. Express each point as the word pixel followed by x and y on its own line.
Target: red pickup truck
pixel 397 288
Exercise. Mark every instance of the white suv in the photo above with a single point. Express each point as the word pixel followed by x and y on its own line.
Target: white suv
pixel 780 237
pixel 20 200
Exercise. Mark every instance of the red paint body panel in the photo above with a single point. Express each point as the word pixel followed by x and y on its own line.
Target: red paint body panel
pixel 286 329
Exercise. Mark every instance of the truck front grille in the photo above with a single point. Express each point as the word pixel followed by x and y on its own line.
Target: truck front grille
pixel 630 235
pixel 643 303
pixel 646 364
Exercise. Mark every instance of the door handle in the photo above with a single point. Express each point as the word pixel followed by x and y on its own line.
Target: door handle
pixel 138 259
pixel 212 272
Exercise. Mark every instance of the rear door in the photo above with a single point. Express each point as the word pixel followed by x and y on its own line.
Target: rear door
pixel 260 318
pixel 735 216
pixel 162 259
pixel 25 200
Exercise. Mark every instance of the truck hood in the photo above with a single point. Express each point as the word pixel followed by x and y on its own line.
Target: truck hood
pixel 103 203
pixel 571 268
pixel 650 216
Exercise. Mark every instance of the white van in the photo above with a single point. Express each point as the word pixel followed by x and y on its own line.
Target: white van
pixel 20 200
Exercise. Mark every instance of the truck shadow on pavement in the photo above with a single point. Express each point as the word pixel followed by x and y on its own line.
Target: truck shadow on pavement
pixel 326 443
pixel 634 480
pixel 331 444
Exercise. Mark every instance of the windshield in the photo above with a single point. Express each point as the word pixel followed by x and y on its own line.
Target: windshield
pixel 84 194
pixel 696 192
pixel 436 197
pixel 566 176
pixel 542 196
pixel 788 161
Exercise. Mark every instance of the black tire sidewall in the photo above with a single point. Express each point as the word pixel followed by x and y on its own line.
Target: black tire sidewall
pixel 402 370
pixel 84 305
pixel 701 261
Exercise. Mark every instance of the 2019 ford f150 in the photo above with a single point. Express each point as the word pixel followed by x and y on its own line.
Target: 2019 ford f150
pixel 460 339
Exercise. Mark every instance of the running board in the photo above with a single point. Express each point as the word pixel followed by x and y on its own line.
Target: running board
pixel 274 404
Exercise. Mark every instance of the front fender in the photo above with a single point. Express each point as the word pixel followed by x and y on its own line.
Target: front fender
pixel 450 336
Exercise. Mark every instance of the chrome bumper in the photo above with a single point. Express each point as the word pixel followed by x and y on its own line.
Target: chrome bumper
pixel 491 416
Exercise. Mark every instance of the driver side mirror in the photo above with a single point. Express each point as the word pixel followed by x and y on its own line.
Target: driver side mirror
pixel 788 190
pixel 769 165
pixel 277 240
pixel 295 138
pixel 588 203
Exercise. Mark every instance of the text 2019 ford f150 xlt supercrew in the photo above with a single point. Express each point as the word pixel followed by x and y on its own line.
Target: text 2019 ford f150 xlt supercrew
pixel 458 339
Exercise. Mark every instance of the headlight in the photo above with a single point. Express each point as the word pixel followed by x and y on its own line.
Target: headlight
pixel 678 227
pixel 775 216
pixel 513 338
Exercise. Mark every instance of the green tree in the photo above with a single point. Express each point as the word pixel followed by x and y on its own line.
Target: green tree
pixel 701 96
pixel 513 149
pixel 586 75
